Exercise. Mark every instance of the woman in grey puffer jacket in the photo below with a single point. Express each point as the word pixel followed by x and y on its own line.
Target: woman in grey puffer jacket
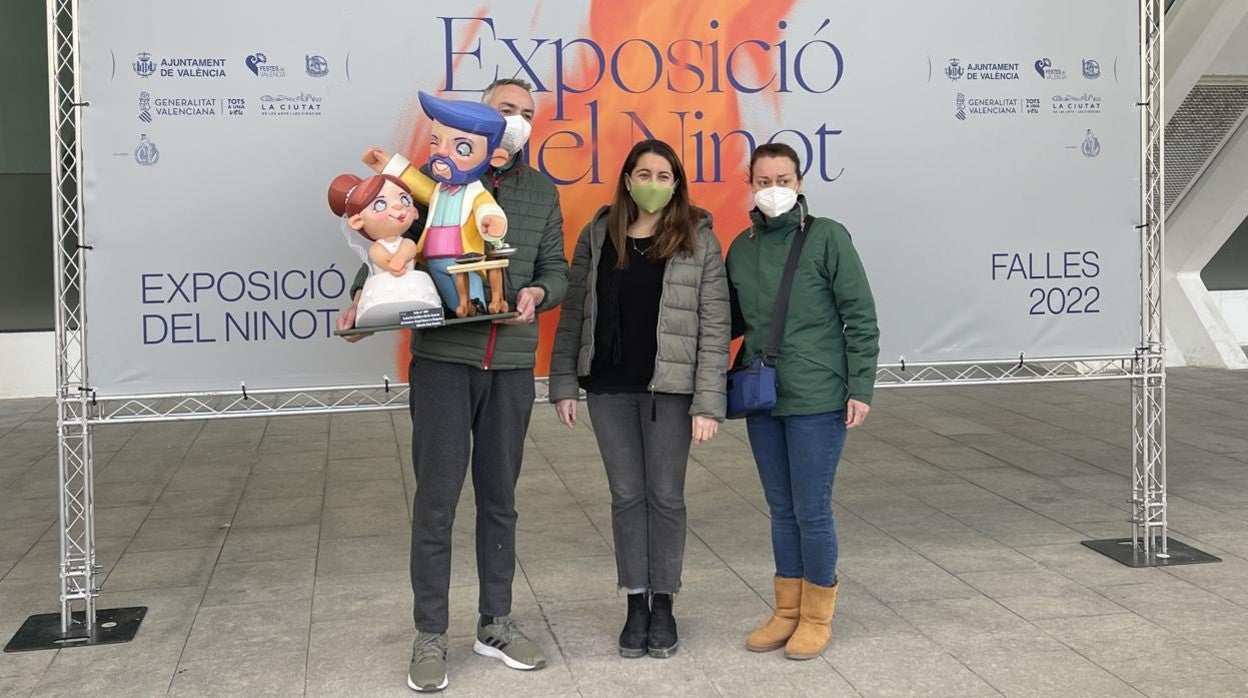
pixel 644 330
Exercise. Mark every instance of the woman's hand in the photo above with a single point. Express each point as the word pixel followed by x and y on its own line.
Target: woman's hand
pixel 704 428
pixel 856 413
pixel 565 410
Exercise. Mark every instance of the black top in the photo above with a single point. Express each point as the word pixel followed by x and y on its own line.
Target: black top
pixel 626 330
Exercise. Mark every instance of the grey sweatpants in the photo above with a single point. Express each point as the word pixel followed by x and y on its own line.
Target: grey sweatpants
pixel 646 462
pixel 454 407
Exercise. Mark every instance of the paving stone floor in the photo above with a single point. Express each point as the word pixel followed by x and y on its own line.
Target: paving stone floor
pixel 273 556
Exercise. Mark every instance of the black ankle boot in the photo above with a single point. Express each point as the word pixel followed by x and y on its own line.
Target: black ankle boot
pixel 633 636
pixel 662 638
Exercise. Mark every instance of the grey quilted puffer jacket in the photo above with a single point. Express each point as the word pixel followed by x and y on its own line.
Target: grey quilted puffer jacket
pixel 694 322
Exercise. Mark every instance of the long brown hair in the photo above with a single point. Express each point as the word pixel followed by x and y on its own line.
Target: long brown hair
pixel 676 231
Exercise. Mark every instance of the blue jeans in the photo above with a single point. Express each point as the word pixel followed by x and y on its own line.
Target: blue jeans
pixel 446 284
pixel 796 458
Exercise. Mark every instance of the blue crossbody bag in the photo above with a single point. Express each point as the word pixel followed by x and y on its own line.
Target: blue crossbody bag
pixel 752 386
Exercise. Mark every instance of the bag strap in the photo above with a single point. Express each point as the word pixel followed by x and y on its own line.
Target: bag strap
pixel 785 291
pixel 781 307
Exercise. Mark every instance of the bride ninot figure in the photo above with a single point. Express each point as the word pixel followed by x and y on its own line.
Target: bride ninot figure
pixel 375 213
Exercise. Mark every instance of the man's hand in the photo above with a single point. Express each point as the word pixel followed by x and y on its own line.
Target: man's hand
pixel 526 305
pixel 376 159
pixel 346 321
pixel 856 413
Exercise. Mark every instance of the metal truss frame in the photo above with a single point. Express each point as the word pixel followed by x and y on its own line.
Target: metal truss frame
pixel 1148 398
pixel 74 426
pixel 175 407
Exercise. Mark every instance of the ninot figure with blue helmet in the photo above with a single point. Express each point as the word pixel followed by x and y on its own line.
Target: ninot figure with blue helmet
pixel 465 227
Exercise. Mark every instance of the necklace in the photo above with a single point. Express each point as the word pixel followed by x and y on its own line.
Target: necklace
pixel 638 250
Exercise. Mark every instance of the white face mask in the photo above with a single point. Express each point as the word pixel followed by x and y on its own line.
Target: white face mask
pixel 775 201
pixel 516 135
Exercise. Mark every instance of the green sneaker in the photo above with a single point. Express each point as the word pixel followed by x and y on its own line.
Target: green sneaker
pixel 501 639
pixel 427 672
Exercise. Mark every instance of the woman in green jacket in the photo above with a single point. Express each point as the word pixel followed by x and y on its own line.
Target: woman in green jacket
pixel 825 377
pixel 644 330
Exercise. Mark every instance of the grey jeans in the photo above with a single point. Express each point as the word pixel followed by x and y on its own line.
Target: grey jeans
pixel 646 461
pixel 460 416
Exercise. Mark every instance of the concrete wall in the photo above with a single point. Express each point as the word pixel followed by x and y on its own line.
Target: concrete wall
pixel 26 295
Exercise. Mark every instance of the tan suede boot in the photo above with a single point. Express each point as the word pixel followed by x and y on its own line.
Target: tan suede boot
pixel 776 631
pixel 814 627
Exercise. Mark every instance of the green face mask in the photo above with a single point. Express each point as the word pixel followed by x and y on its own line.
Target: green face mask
pixel 651 197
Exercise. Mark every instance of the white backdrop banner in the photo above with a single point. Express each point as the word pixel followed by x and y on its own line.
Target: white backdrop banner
pixel 983 154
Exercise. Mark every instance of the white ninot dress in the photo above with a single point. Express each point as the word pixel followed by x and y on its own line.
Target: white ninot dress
pixel 385 295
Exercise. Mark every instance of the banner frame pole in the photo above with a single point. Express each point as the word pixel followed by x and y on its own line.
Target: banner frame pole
pixel 1150 544
pixel 77 568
